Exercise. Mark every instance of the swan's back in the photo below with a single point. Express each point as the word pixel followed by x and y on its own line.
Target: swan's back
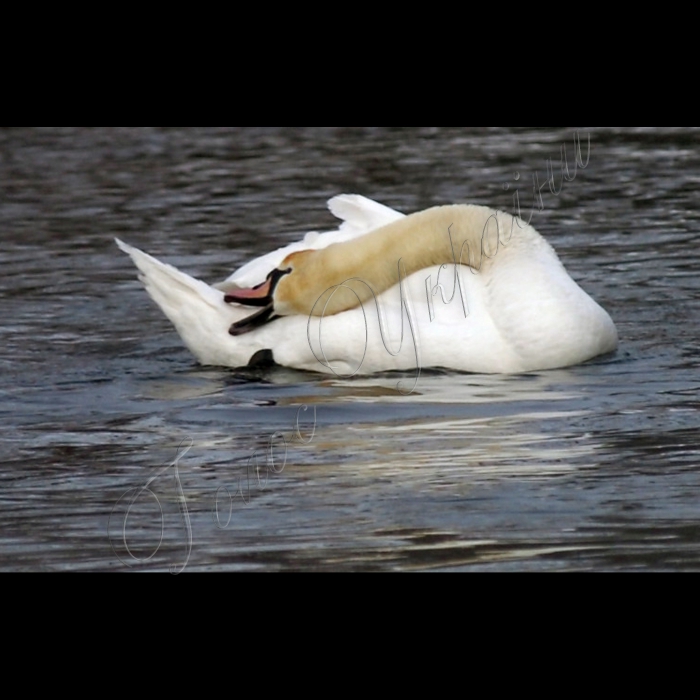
pixel 541 313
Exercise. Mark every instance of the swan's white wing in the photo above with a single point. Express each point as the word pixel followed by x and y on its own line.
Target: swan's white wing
pixel 359 215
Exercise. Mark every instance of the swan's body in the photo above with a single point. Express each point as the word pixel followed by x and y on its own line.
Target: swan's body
pixel 511 307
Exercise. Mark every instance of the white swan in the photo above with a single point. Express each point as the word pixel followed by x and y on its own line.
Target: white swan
pixel 385 292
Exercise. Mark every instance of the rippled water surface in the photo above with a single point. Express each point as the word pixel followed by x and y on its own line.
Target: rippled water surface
pixel 119 453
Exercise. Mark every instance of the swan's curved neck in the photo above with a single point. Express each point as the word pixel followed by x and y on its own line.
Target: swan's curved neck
pixel 467 235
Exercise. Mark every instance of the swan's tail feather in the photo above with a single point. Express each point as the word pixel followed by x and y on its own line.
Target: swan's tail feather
pixel 197 310
pixel 166 283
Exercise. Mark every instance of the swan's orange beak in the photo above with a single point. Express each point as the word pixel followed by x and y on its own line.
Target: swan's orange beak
pixel 257 296
pixel 261 296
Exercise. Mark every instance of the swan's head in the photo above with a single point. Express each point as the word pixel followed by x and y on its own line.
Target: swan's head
pixel 284 293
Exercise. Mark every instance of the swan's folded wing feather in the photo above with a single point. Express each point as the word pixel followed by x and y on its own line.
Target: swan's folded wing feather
pixel 360 216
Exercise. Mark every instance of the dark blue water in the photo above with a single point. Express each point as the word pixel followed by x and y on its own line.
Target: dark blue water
pixel 118 453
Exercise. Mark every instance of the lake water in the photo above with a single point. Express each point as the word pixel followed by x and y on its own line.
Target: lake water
pixel 119 453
